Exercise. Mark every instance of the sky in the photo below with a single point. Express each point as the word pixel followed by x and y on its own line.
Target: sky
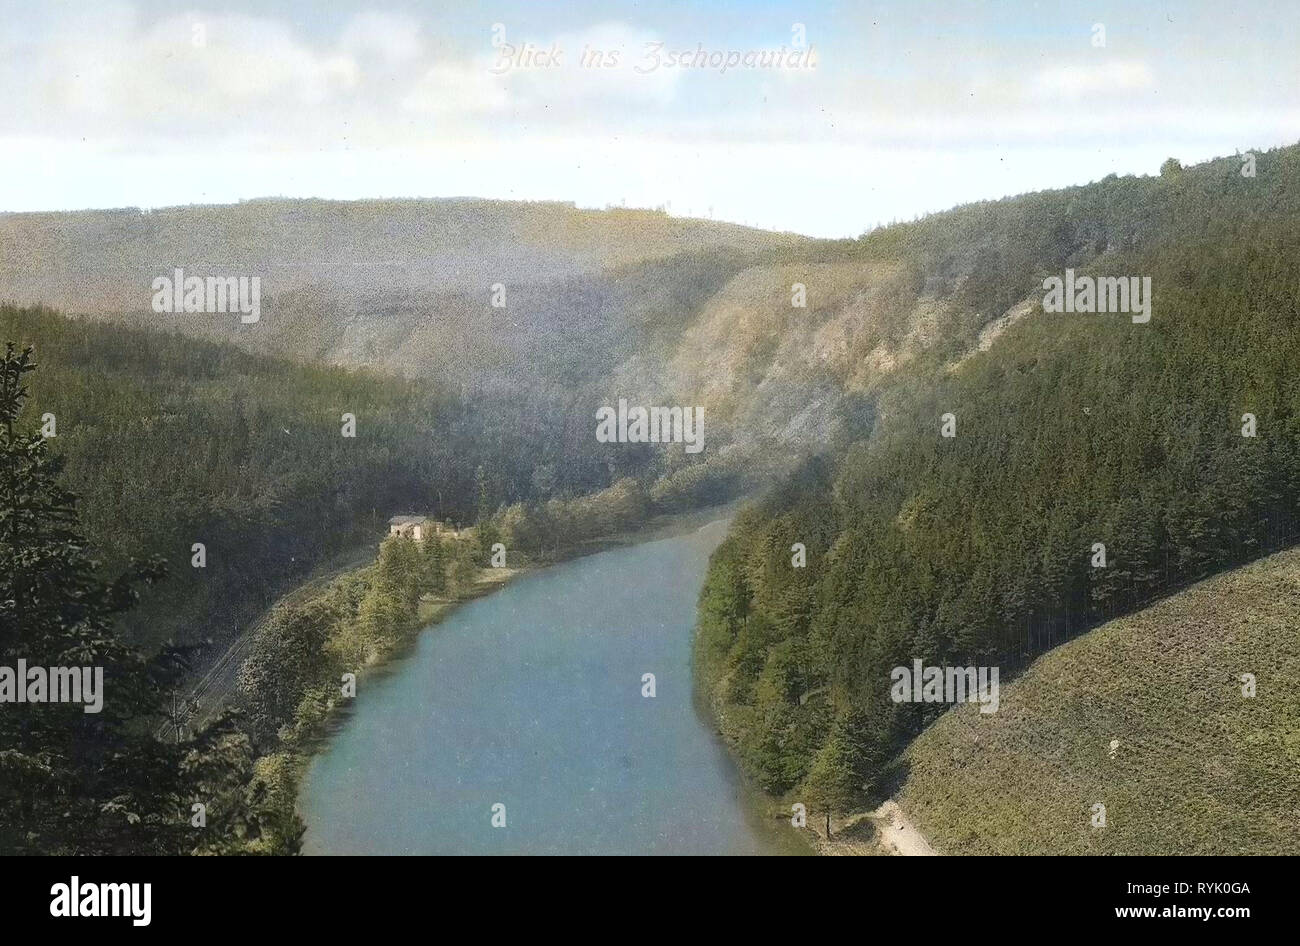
pixel 888 111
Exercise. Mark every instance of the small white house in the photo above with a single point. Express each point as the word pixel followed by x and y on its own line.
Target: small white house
pixel 418 527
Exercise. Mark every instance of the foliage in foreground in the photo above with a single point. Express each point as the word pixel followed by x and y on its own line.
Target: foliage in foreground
pixel 73 782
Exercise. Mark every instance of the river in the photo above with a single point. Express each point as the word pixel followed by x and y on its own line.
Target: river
pixel 531 698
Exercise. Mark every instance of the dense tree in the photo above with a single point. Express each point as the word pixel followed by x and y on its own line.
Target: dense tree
pixel 172 441
pixel 73 781
pixel 434 566
pixel 832 784
pixel 1074 432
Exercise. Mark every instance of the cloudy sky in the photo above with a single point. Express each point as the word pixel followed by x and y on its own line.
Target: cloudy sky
pixel 891 110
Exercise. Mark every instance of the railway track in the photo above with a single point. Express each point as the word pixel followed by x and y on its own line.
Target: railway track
pixel 210 693
pixel 206 697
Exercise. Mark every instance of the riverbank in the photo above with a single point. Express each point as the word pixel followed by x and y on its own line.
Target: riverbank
pixel 534 698
pixel 884 832
pixel 214 681
pixel 358 625
pixel 319 648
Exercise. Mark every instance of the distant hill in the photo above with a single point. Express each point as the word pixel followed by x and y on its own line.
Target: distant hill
pixel 598 304
pixel 636 303
pixel 403 285
pixel 172 436
pixel 1145 715
pixel 102 261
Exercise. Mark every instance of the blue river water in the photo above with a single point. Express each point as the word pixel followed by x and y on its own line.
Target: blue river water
pixel 531 698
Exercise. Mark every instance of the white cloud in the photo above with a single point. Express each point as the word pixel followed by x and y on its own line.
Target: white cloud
pixel 184 75
pixel 1078 81
pixel 103 105
pixel 386 38
pixel 450 89
pixel 198 77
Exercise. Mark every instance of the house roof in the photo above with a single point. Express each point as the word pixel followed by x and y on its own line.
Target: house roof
pixel 407 520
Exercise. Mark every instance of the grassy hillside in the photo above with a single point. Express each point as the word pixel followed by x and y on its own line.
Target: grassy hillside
pixel 1197 768
pixel 1071 430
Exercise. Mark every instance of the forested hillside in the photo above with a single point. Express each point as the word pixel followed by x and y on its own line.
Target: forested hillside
pixel 1070 430
pixel 489 298
pixel 93 779
pixel 172 441
pixel 781 339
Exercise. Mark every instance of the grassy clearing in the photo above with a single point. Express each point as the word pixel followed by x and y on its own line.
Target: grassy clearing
pixel 1198 768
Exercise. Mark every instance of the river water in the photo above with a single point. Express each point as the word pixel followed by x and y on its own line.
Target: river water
pixel 531 698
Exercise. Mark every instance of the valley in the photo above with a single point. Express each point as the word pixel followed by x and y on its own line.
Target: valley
pixel 941 471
